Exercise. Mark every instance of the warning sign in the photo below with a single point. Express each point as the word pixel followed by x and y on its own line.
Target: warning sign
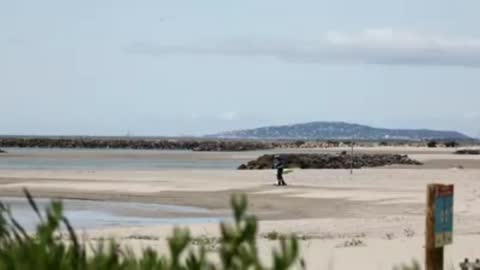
pixel 443 215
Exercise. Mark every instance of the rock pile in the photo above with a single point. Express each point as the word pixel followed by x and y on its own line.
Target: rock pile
pixel 331 161
pixel 468 152
pixel 164 144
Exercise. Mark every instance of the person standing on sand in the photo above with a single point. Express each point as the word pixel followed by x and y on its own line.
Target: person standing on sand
pixel 279 164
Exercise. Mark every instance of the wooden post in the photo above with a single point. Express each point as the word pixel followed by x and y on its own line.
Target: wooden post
pixel 433 255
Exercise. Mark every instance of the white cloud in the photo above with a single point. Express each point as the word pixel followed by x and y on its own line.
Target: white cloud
pixel 389 39
pixel 372 46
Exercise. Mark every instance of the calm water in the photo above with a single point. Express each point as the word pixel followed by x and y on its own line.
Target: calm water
pixel 96 214
pixel 18 158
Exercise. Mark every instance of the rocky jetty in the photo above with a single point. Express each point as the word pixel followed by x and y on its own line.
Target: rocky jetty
pixel 468 152
pixel 158 144
pixel 232 146
pixel 331 161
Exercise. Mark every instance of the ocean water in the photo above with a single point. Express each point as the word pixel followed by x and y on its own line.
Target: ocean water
pixel 98 214
pixel 93 159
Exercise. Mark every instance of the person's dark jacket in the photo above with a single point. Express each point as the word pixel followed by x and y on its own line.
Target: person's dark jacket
pixel 278 164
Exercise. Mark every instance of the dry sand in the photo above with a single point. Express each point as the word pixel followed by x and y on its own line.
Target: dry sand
pixel 383 208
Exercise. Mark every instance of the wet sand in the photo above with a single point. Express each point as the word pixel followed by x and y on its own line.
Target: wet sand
pixel 89 214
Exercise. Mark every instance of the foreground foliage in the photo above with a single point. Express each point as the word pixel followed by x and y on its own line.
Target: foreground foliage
pixel 45 250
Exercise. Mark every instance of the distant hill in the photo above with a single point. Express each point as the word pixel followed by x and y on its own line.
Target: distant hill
pixel 339 131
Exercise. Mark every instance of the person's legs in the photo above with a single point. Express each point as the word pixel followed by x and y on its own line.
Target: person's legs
pixel 281 182
pixel 279 176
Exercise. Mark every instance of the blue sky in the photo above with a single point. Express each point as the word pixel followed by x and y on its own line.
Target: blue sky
pixel 195 67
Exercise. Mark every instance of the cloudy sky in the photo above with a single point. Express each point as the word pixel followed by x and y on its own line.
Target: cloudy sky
pixel 194 67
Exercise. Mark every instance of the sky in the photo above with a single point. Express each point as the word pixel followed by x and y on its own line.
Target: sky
pixel 180 68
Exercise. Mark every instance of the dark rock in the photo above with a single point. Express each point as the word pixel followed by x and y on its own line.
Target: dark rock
pixel 468 152
pixel 2 151
pixel 242 167
pixel 331 161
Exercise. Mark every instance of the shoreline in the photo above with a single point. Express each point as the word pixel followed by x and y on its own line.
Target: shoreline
pixel 212 188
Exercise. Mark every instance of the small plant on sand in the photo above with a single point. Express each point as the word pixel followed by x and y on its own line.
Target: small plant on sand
pixel 45 250
pixel 274 236
pixel 389 236
pixel 142 237
pixel 352 243
pixel 409 233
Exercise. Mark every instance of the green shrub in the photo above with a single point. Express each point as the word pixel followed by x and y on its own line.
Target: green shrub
pixel 451 144
pixel 44 249
pixel 432 144
pixel 273 235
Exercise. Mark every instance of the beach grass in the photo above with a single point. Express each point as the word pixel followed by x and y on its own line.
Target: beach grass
pixel 44 250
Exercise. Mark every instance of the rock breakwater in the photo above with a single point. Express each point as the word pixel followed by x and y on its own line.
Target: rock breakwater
pixel 153 144
pixel 331 161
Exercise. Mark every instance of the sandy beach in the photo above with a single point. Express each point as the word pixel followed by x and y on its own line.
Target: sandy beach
pixel 381 209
